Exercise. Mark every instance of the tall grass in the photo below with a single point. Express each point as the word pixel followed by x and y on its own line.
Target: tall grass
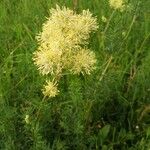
pixel 108 110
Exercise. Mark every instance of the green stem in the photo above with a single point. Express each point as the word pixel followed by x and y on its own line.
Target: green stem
pixel 108 23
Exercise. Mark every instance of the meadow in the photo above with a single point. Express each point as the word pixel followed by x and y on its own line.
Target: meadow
pixel 106 110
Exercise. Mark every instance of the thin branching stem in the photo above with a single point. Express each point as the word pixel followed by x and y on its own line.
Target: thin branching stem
pixel 108 23
pixel 104 71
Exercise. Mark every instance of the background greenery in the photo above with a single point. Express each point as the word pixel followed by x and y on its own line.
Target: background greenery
pixel 108 110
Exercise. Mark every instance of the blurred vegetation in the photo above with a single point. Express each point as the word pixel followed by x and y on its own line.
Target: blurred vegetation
pixel 109 110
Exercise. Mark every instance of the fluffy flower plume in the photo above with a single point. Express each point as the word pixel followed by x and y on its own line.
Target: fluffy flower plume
pixel 61 42
pixel 48 61
pixel 65 29
pixel 83 62
pixel 117 4
pixel 50 89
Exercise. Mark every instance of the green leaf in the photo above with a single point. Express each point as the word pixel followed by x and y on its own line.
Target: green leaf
pixel 103 133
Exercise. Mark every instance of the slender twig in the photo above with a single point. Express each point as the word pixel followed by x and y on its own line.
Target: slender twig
pixel 110 18
pixel 104 71
pixel 106 28
pixel 144 112
pixel 130 27
pixel 39 109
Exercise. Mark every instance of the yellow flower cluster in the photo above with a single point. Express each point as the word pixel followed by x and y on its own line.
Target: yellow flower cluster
pixel 84 60
pixel 62 45
pixel 48 61
pixel 117 4
pixel 50 89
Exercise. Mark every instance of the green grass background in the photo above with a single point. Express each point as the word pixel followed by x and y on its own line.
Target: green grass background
pixel 107 110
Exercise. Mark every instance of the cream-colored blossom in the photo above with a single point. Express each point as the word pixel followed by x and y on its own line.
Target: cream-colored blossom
pixel 117 4
pixel 60 45
pixel 50 89
pixel 47 61
pixel 63 33
pixel 66 29
pixel 83 62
